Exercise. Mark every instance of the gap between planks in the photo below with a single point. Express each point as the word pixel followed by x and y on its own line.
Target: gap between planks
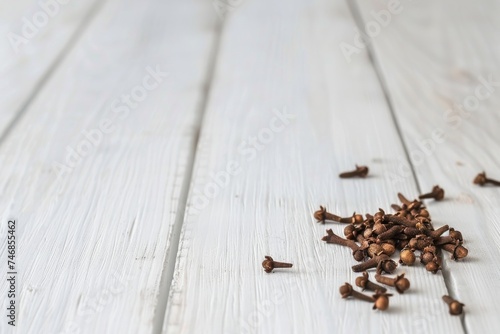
pixel 171 258
pixel 353 8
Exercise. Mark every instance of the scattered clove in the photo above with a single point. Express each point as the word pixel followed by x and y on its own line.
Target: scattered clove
pixel 381 301
pixel 346 290
pixel 455 306
pixel 269 264
pixel 437 193
pixel 360 171
pixel 372 263
pixel 364 283
pixel 357 251
pixel 481 180
pixel 399 282
pixel 407 257
pixel 457 251
pixel 322 216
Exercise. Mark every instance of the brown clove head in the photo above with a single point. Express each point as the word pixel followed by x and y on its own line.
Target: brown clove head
pixel 388 249
pixel 381 300
pixel 268 264
pixel 460 252
pixel 359 255
pixel 433 266
pixel 401 283
pixel 350 232
pixel 457 235
pixel 357 218
pixel 360 171
pixel 426 257
pixel 320 215
pixel 480 179
pixel 361 281
pixel 345 290
pixel 457 251
pixel 374 250
pixel 387 266
pixel 407 257
pixel 455 307
pixel 439 193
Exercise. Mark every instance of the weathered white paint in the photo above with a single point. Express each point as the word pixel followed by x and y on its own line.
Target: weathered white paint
pixel 93 243
pixel 33 39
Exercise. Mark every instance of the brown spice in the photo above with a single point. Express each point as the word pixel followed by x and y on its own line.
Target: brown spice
pixel 360 171
pixel 269 264
pixel 455 307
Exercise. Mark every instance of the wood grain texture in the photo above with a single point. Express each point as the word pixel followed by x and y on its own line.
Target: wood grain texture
pixel 33 40
pixel 433 56
pixel 280 56
pixel 92 241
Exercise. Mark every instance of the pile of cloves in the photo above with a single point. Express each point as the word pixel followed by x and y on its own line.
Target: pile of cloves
pixel 374 239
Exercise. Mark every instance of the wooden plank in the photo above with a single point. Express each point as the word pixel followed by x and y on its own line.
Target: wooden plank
pixel 254 189
pixel 437 58
pixel 94 228
pixel 35 37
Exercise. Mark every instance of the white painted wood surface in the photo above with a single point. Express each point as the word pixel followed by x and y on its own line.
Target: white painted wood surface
pixel 34 38
pixel 433 56
pixel 287 57
pixel 98 244
pixel 92 244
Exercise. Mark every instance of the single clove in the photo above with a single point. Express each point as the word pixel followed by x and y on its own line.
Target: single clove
pixel 437 193
pixel 481 180
pixel 457 251
pixel 372 263
pixel 381 300
pixel 407 257
pixel 455 307
pixel 399 282
pixel 364 283
pixel 436 233
pixel 360 171
pixel 357 252
pixel 269 264
pixel 346 290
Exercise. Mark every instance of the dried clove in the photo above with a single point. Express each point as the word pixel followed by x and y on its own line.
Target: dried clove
pixel 437 193
pixel 360 171
pixel 357 252
pixel 381 300
pixel 372 263
pixel 269 264
pixel 364 283
pixel 457 251
pixel 407 257
pixel 481 180
pixel 399 282
pixel 455 307
pixel 346 290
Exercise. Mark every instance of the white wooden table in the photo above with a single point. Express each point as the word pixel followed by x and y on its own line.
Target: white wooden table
pixel 153 152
